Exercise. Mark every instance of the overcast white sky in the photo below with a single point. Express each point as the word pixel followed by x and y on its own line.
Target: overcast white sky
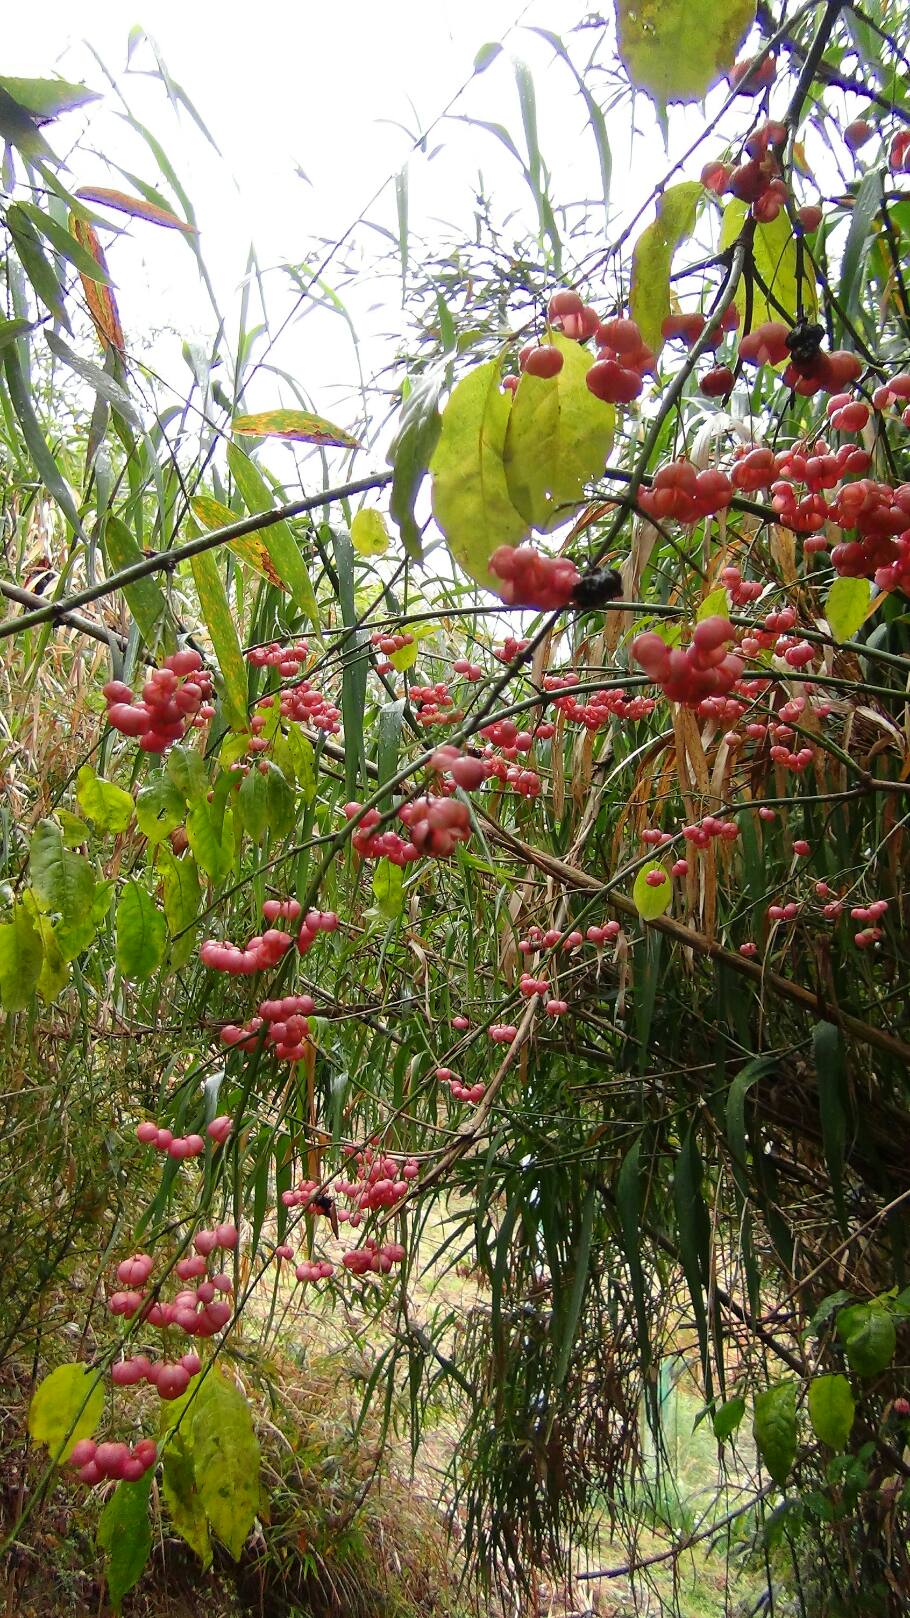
pixel 325 88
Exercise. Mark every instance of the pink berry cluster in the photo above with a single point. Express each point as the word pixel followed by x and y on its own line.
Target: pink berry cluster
pixel 679 491
pixel 111 1461
pixel 434 705
pixel 435 825
pixel 538 938
pixel 467 771
pixel 380 1181
pixel 173 698
pixel 197 1312
pixel 701 833
pixel 706 668
pixel 389 644
pixel 318 1269
pixel 511 648
pixel 285 1024
pixel 467 669
pixel 286 659
pixel 181 1146
pixel 460 1091
pixel 371 1256
pixel 598 710
pixel 533 580
pixel 303 702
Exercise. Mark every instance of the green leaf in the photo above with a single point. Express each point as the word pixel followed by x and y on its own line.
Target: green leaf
pixel 303 758
pixel 846 605
pixel 629 1209
pixel 651 902
pixel 856 254
pixel 472 502
pixel 775 259
pixel 160 808
pixel 774 1429
pixel 61 1401
pixel 46 466
pixel 249 547
pixel 54 969
pixel 11 330
pixel 182 896
pixel 297 425
pixel 487 54
pixel 369 533
pixel 182 1498
pixel 75 831
pixel 388 889
pixel 186 768
pixel 652 256
pixel 144 599
pixel 141 933
pixel 867 1333
pixel 283 548
pixel 226 1460
pixel 693 1229
pixel 211 842
pixel 831 1409
pixel 715 605
pixel 410 454
pixel 676 49
pixel 21 958
pixel 63 242
pixel 103 384
pixel 106 804
pixel 125 1533
pixel 830 1073
pixel 223 631
pixel 557 439
pixel 18 127
pixel 47 98
pixel 728 1418
pixel 65 885
pixel 406 657
pixel 265 802
pixel 41 271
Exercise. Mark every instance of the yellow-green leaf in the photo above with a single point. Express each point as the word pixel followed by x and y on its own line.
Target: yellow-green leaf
pixel 471 499
pixel 65 886
pixel 846 606
pixel 182 894
pixel 212 514
pixel 388 889
pixel 106 804
pixel 651 902
pixel 294 424
pixel 160 808
pixel 715 605
pixel 675 49
pixel 558 438
pixel 283 548
pixel 652 255
pixel 774 254
pixel 182 1498
pixel 225 1454
pixel 63 1401
pixel 222 629
pixel 21 955
pixel 369 534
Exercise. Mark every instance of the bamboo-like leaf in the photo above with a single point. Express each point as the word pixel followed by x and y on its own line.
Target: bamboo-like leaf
pixel 296 425
pixel 137 207
pixel 221 627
